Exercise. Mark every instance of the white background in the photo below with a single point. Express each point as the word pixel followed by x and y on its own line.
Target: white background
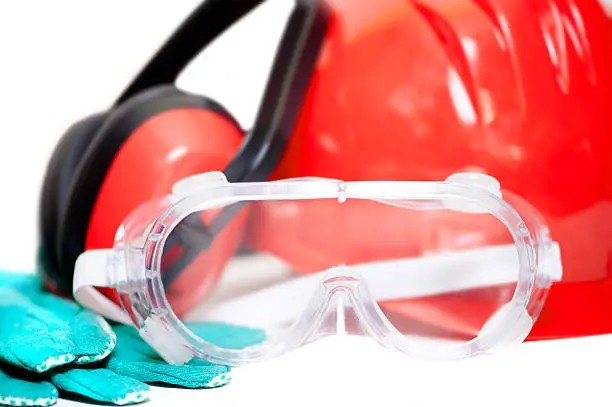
pixel 62 60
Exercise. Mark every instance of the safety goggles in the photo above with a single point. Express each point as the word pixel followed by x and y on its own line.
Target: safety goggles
pixel 478 285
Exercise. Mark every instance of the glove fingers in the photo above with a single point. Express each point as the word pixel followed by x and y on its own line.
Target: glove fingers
pixel 102 385
pixel 39 353
pixel 31 337
pixel 193 375
pixel 18 392
pixel 93 337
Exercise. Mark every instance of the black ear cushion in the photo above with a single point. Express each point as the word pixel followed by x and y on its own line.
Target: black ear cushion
pixel 60 170
pixel 91 171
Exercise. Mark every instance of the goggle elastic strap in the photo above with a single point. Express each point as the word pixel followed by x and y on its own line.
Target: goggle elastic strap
pixel 387 280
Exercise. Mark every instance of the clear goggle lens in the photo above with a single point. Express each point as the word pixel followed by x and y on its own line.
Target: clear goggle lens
pixel 406 258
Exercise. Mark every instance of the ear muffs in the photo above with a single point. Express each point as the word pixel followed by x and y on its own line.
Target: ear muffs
pixel 156 135
pixel 59 174
pixel 144 145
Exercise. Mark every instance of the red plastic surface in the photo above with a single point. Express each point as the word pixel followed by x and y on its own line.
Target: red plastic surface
pixel 165 149
pixel 520 90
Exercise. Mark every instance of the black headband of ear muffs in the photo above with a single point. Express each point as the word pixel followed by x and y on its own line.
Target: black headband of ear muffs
pixel 286 86
pixel 285 90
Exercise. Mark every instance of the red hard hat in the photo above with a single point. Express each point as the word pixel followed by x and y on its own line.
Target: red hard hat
pixel 419 90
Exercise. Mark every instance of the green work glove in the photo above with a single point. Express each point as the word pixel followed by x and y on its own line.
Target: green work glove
pixel 120 378
pixel 48 343
pixel 135 358
pixel 40 333
pixel 30 391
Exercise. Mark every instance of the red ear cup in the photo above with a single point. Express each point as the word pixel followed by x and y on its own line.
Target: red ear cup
pixel 59 174
pixel 133 154
pixel 167 147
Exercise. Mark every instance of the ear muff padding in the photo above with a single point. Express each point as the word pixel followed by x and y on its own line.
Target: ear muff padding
pixel 90 173
pixel 60 171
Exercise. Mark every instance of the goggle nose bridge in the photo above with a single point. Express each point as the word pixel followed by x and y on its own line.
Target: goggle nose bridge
pixel 342 295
